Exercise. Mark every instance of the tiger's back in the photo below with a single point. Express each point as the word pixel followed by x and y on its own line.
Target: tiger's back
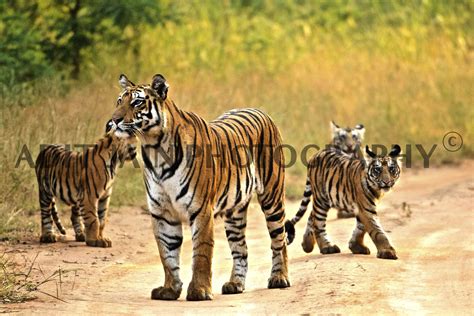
pixel 335 178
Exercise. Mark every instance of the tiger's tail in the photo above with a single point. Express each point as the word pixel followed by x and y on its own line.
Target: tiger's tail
pixel 290 224
pixel 57 221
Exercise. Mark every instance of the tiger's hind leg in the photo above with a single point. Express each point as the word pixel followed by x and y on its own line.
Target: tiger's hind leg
pixel 235 224
pixel 47 232
pixel 274 211
pixel 76 219
pixel 316 232
pixel 356 244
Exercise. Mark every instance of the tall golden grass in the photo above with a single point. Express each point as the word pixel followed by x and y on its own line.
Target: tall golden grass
pixel 404 101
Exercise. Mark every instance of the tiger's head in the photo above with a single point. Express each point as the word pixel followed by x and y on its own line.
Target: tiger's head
pixel 139 110
pixel 348 140
pixel 125 147
pixel 383 171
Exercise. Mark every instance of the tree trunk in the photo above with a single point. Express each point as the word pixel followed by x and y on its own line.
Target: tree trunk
pixel 75 40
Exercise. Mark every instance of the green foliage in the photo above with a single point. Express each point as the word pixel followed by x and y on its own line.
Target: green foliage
pixel 45 36
pixel 21 55
pixel 268 36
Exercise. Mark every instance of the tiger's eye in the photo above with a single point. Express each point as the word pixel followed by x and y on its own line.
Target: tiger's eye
pixel 377 170
pixel 392 169
pixel 137 102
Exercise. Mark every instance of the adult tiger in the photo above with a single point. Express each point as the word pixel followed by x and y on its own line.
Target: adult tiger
pixel 82 180
pixel 336 180
pixel 193 168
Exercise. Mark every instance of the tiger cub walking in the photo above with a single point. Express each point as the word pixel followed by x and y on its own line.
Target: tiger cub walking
pixel 347 141
pixel 338 181
pixel 82 181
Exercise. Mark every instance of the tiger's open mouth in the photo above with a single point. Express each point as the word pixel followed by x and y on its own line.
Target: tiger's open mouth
pixel 386 187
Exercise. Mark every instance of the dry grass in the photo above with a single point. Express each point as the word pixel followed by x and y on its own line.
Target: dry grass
pixel 12 290
pixel 21 281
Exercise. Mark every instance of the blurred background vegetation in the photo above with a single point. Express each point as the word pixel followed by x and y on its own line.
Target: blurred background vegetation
pixel 402 68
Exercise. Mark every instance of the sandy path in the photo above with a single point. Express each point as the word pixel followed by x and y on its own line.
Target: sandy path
pixel 434 274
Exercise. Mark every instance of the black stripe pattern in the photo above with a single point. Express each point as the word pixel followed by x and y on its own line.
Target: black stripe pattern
pixel 338 181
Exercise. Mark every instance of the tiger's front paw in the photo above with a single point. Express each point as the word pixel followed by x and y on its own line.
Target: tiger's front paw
pixel 330 250
pixel 48 237
pixel 387 254
pixel 199 293
pixel 165 294
pixel 232 288
pixel 358 249
pixel 101 242
pixel 278 282
pixel 80 237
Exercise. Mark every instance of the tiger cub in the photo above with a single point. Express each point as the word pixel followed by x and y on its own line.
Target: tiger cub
pixel 82 180
pixel 336 180
pixel 347 141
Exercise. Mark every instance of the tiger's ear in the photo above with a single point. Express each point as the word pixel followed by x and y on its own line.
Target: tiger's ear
pixel 124 82
pixel 370 152
pixel 334 128
pixel 395 152
pixel 160 86
pixel 361 129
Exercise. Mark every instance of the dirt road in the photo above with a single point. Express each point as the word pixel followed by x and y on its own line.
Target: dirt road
pixel 429 218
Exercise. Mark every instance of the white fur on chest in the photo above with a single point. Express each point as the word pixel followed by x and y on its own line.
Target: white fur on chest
pixel 160 192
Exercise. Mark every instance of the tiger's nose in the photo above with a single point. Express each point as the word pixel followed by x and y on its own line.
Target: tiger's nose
pixel 117 120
